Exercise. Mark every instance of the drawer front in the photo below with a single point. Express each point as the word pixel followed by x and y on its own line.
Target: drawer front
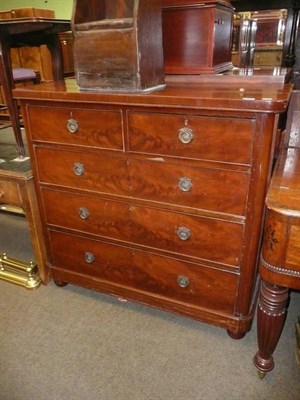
pixel 86 171
pixel 142 271
pixel 202 188
pixel 150 180
pixel 10 193
pixel 96 128
pixel 203 238
pixel 217 139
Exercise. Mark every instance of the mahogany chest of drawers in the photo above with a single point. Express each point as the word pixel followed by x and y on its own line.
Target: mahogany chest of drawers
pixel 158 197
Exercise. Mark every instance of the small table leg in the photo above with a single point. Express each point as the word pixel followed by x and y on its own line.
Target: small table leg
pixel 271 315
pixel 6 80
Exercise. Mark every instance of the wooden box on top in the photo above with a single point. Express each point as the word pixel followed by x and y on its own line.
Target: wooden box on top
pixel 118 45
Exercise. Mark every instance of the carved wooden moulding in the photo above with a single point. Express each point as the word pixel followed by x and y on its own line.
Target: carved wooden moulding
pixel 197 36
pixel 118 45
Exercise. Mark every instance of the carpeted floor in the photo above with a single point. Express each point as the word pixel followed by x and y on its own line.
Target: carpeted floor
pixel 74 344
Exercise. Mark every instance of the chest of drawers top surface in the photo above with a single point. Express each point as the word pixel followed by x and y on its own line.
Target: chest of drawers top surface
pixel 215 95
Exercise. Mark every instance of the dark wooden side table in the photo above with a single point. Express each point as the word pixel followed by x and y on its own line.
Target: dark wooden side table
pixel 21 32
pixel 280 258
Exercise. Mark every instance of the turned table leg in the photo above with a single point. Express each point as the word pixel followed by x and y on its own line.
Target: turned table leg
pixel 7 83
pixel 271 315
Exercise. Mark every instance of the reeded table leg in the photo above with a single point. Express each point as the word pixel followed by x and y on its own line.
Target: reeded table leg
pixel 270 320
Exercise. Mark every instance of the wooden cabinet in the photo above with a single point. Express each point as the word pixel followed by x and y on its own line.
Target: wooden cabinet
pixel 262 38
pixel 157 198
pixel 243 42
pixel 197 36
pixel 267 57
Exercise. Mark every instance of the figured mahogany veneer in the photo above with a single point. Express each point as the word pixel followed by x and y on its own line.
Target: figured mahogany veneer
pixel 156 197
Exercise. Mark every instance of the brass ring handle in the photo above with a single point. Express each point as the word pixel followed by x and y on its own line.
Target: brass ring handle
pixel 183 281
pixel 72 125
pixel 78 169
pixel 185 184
pixel 84 213
pixel 89 257
pixel 183 233
pixel 186 135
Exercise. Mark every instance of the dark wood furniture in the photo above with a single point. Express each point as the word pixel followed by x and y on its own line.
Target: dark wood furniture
pixel 21 32
pixel 243 41
pixel 280 258
pixel 197 36
pixel 37 58
pixel 20 76
pixel 118 45
pixel 66 40
pixel 17 189
pixel 156 197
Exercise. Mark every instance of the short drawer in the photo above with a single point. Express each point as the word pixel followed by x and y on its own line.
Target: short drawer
pixel 208 138
pixel 145 272
pixel 197 237
pixel 216 190
pixel 84 127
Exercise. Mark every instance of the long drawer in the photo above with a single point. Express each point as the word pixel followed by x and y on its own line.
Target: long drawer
pixel 83 127
pixel 216 139
pixel 145 272
pixel 202 238
pixel 154 180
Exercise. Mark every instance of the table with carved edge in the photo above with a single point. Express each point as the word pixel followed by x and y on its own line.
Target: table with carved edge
pixel 280 258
